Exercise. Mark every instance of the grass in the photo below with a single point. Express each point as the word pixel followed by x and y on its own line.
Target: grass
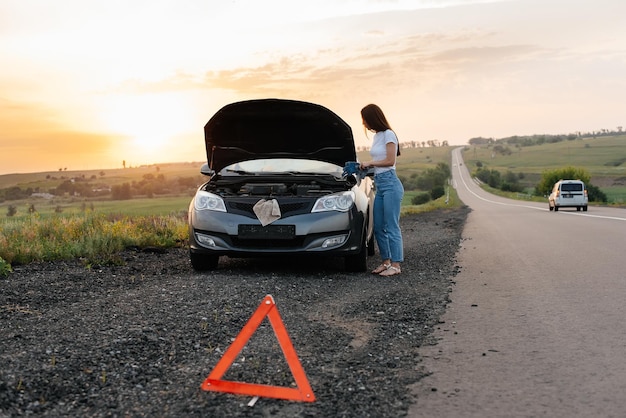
pixel 616 194
pixel 95 237
pixel 158 206
pixel 449 201
pixel 5 268
pixel 144 206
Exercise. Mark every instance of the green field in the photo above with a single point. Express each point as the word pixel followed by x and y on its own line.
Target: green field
pixel 175 202
pixel 604 158
pixel 159 206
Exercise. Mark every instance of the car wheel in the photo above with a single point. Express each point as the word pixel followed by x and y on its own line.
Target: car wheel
pixel 584 208
pixel 357 262
pixel 202 262
pixel 556 208
pixel 577 208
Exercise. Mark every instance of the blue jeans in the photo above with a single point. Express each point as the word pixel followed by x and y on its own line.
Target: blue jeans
pixel 389 192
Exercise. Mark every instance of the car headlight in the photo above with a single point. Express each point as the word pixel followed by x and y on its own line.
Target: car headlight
pixel 208 201
pixel 341 202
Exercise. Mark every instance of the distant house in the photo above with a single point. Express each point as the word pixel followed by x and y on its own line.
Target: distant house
pixel 102 189
pixel 43 195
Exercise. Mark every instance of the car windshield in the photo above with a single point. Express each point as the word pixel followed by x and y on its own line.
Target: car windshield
pixel 281 166
pixel 571 187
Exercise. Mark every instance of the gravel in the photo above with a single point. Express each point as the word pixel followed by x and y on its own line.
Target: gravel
pixel 139 338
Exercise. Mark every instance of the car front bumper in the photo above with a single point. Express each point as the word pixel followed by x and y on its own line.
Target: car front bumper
pixel 327 233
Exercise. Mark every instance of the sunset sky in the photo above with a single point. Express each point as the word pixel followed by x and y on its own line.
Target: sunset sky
pixel 87 84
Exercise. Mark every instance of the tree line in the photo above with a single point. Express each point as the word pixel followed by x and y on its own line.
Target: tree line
pixel 539 139
pixel 413 144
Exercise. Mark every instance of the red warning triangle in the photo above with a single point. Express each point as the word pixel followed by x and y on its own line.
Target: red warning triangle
pixel 303 393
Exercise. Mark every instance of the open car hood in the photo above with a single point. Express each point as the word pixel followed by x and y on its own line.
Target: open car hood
pixel 277 128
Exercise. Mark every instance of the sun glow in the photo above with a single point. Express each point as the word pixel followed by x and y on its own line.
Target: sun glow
pixel 149 123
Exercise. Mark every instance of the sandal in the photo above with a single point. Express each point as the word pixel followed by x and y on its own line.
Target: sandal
pixel 390 271
pixel 381 268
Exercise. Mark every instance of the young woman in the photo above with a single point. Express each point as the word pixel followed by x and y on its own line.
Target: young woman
pixel 389 190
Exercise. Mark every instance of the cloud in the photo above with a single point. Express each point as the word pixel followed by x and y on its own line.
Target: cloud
pixel 404 53
pixel 374 33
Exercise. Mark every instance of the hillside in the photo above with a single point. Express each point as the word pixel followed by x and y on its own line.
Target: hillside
pixel 604 158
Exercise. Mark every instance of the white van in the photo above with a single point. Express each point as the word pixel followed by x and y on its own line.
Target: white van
pixel 568 194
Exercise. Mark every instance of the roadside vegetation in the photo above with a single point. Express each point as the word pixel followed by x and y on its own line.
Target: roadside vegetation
pixel 96 238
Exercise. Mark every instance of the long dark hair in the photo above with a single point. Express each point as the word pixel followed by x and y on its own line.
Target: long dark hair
pixel 374 119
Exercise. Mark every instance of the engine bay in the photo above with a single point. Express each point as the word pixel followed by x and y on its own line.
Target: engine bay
pixel 309 186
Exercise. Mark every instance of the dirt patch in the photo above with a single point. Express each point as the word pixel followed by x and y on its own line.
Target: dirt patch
pixel 138 339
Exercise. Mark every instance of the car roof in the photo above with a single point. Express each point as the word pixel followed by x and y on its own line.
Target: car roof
pixel 277 128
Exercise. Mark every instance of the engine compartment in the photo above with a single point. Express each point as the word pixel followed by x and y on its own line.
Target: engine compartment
pixel 275 187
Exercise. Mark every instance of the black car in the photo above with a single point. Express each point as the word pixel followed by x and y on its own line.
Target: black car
pixel 277 187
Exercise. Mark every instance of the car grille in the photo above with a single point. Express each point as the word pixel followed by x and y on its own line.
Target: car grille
pixel 288 207
pixel 264 244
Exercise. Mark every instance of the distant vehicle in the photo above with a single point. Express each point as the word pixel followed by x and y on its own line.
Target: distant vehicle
pixel 568 194
pixel 277 187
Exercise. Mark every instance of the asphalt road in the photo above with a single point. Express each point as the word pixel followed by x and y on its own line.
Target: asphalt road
pixel 536 326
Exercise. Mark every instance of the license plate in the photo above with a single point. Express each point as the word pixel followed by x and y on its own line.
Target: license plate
pixel 266 232
pixel 567 196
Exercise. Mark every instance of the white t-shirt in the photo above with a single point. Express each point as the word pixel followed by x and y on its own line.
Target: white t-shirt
pixel 378 152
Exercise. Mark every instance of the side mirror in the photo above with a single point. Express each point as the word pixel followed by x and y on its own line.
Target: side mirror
pixel 206 170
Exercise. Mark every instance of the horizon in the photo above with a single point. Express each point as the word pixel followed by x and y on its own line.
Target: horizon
pixel 199 163
pixel 86 85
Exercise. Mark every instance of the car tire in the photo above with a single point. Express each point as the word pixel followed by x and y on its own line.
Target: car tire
pixel 577 208
pixel 584 208
pixel 556 208
pixel 202 262
pixel 357 262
